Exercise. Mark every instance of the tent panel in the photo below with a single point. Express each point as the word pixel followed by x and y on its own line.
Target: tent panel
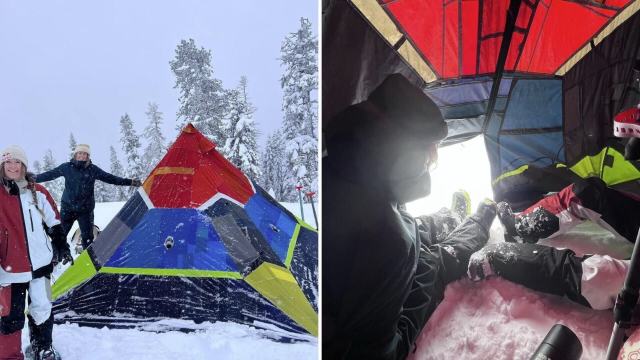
pixel 118 229
pixel 192 172
pixel 228 217
pixel 599 87
pixel 81 271
pixel 276 226
pixel 567 27
pixel 121 298
pixel 534 104
pixel 428 42
pixel 304 264
pixel 278 285
pixel 469 36
pixel 452 44
pixel 532 149
pixel 193 243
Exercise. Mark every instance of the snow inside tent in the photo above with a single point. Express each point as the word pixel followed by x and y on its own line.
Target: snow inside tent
pixel 198 241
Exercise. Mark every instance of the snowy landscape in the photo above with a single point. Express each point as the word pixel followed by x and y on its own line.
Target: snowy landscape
pixel 219 340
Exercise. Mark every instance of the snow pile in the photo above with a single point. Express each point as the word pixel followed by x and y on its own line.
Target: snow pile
pixel 212 341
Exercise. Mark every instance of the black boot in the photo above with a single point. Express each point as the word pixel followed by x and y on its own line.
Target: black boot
pixel 527 228
pixel 46 353
pixel 485 213
pixel 505 214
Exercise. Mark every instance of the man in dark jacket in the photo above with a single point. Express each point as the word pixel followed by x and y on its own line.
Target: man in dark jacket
pixel 78 200
pixel 383 273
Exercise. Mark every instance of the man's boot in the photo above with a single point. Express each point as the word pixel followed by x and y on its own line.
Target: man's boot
pixel 527 228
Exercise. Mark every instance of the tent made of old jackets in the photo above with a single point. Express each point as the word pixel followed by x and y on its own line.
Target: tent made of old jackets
pixel 198 241
pixel 541 80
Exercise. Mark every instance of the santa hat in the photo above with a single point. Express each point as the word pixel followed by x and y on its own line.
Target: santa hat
pixel 14 152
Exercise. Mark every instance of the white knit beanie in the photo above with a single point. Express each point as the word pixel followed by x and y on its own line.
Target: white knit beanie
pixel 14 152
pixel 82 147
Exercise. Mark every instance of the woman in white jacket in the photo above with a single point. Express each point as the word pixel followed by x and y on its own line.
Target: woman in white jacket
pixel 27 256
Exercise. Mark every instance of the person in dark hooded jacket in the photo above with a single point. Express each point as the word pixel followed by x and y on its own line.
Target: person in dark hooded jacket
pixel 383 274
pixel 78 200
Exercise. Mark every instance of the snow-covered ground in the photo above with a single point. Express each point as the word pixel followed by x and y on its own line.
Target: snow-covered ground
pixel 219 340
pixel 496 319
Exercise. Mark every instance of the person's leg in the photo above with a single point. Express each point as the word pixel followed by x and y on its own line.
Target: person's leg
pixel 12 324
pixel 438 265
pixel 538 267
pixel 66 219
pixel 40 316
pixel 85 220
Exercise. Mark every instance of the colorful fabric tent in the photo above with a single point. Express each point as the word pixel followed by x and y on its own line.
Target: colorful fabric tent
pixel 198 241
pixel 541 80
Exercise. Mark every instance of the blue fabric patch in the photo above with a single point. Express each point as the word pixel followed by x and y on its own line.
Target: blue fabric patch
pixel 173 239
pixel 273 223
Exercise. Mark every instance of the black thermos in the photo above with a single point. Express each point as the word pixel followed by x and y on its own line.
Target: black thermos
pixel 559 344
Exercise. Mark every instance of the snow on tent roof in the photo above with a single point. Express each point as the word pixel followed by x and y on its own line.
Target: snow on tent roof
pixel 198 241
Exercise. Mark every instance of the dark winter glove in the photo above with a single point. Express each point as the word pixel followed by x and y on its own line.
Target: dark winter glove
pixel 62 255
pixel 61 251
pixel 136 182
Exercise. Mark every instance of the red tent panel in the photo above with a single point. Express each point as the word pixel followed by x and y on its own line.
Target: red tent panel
pixel 469 37
pixel 548 32
pixel 426 31
pixel 192 172
pixel 558 33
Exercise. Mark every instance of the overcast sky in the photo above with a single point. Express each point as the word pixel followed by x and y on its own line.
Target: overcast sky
pixel 78 66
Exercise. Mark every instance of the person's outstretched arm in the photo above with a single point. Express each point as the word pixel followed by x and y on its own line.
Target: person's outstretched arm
pixel 51 174
pixel 114 180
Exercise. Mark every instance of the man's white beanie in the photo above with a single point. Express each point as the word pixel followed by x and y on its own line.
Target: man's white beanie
pixel 82 147
pixel 14 152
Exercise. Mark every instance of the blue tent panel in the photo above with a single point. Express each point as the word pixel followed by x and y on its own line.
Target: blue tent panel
pixel 534 104
pixel 533 149
pixel 146 246
pixel 466 91
pixel 274 224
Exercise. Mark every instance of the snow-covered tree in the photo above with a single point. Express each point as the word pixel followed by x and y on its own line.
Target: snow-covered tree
pixel 300 84
pixel 155 148
pixel 72 145
pixel 241 147
pixel 37 167
pixel 131 146
pixel 202 97
pixel 275 167
pixel 55 187
pixel 116 193
pixel 102 192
